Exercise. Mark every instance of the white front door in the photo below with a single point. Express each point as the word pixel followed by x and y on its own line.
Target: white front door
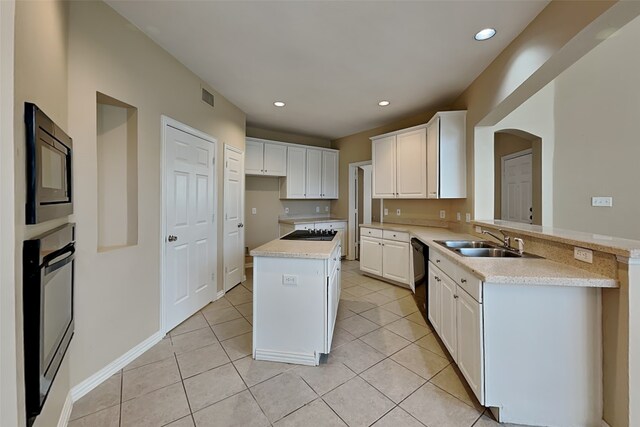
pixel 233 217
pixel 190 233
pixel 517 188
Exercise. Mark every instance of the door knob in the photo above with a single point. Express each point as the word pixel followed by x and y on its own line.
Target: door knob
pixel 172 238
pixel 240 225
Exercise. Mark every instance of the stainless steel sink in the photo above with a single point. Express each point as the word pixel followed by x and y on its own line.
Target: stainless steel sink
pixel 454 244
pixel 482 249
pixel 488 253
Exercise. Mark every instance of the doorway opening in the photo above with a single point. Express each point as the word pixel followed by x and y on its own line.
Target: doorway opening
pixel 361 205
pixel 518 176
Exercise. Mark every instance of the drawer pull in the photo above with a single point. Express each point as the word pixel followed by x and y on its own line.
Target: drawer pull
pixel 463 280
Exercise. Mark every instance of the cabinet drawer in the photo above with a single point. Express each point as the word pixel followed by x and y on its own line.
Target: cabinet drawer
pixel 371 232
pixel 462 277
pixel 338 225
pixel 399 236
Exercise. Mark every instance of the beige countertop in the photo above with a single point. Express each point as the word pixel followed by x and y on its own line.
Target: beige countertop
pixel 613 245
pixel 517 271
pixel 297 248
pixel 294 221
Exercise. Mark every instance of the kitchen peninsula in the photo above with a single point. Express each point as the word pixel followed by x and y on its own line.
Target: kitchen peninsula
pixel 296 291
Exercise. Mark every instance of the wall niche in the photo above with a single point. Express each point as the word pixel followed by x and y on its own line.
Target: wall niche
pixel 117 152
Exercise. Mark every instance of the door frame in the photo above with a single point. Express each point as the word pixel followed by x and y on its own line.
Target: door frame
pixel 224 179
pixel 353 201
pixel 503 160
pixel 168 121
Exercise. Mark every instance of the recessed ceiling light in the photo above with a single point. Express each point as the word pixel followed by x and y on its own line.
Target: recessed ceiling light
pixel 383 103
pixel 279 104
pixel 485 34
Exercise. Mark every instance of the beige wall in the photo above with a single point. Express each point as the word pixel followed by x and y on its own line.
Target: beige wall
pixel 41 36
pixel 120 288
pixel 287 137
pixel 263 193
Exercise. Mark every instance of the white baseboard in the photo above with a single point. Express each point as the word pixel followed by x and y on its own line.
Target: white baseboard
pixel 220 294
pixel 66 411
pixel 310 359
pixel 103 374
pixel 604 424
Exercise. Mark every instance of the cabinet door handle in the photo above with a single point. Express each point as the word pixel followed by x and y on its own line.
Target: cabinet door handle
pixel 463 280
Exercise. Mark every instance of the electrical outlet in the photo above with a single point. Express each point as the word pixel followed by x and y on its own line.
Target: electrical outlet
pixel 317 209
pixel 467 217
pixel 398 212
pixel 602 201
pixel 443 214
pixel 289 279
pixel 478 229
pixel 458 216
pixel 326 208
pixel 386 211
pixel 254 211
pixel 582 254
pixel 286 210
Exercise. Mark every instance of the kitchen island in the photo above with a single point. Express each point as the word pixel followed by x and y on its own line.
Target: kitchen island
pixel 296 291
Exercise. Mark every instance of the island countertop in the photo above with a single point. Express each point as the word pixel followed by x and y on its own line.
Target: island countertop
pixel 311 220
pixel 297 248
pixel 517 271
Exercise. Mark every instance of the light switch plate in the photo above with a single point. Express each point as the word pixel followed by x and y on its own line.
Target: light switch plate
pixel 326 208
pixel 478 229
pixel 443 214
pixel 317 209
pixel 602 201
pixel 254 211
pixel 467 217
pixel 582 254
pixel 458 216
pixel 386 211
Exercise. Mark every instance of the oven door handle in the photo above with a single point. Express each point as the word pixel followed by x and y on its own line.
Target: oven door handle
pixel 50 266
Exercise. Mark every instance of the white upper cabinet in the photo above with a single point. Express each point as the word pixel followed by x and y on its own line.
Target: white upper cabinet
pixel 329 174
pixel 399 165
pixel 294 185
pixel 446 156
pixel 383 155
pixel 265 158
pixel 312 173
pixel 411 155
pixel 426 161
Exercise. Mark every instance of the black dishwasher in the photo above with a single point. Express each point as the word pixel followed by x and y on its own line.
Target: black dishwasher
pixel 420 253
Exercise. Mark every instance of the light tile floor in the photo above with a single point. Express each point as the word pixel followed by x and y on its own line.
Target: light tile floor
pixel 386 368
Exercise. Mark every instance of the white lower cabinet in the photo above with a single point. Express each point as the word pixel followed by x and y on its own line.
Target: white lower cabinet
pixel 470 341
pixel 457 319
pixel 385 254
pixel 371 255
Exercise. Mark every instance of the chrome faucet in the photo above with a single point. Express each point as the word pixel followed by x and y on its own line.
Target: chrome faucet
pixel 505 239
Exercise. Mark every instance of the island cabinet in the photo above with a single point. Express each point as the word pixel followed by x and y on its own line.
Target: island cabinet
pixel 530 352
pixel 295 304
pixel 266 158
pixel 386 253
pixel 286 228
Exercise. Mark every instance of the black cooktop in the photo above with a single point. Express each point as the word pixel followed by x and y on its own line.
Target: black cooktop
pixel 317 235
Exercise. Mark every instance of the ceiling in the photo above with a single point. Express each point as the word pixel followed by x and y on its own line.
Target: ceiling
pixel 332 61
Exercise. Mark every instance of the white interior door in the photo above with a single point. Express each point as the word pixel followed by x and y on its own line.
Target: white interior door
pixel 233 217
pixel 517 188
pixel 190 232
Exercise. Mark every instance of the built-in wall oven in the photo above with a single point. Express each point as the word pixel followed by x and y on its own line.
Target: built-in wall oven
pixel 47 309
pixel 49 156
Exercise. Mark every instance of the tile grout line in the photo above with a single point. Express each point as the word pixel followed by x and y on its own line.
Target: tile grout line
pixel 184 388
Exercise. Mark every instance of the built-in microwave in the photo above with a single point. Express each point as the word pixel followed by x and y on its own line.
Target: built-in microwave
pixel 49 153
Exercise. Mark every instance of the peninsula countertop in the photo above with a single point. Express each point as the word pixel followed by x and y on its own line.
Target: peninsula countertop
pixel 516 271
pixel 297 248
